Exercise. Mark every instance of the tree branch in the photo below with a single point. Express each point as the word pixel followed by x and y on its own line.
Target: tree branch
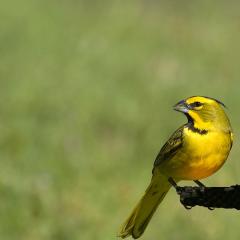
pixel 210 197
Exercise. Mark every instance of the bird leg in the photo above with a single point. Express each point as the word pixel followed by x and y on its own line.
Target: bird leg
pixel 199 184
pixel 202 188
pixel 173 183
pixel 178 190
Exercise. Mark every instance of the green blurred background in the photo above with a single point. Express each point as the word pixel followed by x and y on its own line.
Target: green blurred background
pixel 86 96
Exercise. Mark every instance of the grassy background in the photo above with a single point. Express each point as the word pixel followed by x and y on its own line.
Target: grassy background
pixel 86 94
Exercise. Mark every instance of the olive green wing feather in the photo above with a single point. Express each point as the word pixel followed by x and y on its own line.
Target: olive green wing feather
pixel 171 147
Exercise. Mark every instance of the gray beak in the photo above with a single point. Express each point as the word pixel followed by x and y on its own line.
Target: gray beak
pixel 181 107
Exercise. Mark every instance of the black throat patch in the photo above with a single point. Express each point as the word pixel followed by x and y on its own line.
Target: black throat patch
pixel 191 127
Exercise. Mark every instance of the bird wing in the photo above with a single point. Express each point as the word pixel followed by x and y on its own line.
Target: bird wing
pixel 171 147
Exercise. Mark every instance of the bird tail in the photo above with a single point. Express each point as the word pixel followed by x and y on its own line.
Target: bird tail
pixel 137 222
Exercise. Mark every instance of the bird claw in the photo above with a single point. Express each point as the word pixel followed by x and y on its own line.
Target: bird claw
pixel 187 207
pixel 211 208
pixel 178 189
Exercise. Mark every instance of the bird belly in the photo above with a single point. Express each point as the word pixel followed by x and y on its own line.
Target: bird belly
pixel 200 167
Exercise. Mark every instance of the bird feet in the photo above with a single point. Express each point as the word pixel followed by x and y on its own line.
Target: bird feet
pixel 179 190
pixel 202 189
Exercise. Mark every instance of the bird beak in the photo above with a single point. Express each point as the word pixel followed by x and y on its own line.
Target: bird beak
pixel 181 107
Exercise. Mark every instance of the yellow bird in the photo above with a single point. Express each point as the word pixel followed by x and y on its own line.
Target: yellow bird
pixel 195 151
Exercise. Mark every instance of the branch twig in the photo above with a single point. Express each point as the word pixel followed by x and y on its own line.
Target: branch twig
pixel 210 197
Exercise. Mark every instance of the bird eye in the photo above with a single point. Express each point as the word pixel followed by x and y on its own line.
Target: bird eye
pixel 197 104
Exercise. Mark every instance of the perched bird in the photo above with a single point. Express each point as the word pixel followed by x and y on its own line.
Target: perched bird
pixel 195 151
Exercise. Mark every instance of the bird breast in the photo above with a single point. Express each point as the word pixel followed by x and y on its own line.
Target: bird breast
pixel 201 155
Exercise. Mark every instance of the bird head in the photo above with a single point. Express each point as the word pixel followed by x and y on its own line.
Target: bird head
pixel 204 113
